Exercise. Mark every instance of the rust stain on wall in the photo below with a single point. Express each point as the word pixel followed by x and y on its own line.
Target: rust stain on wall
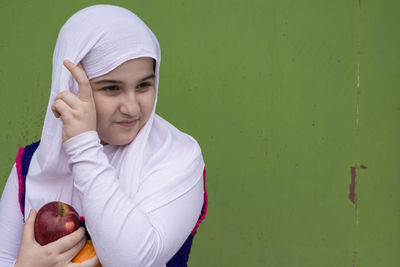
pixel 352 186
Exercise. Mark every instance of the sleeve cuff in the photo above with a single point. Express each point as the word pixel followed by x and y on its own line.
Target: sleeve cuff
pixel 81 142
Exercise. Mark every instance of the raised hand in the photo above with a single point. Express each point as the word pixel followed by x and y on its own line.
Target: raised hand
pixel 57 253
pixel 78 114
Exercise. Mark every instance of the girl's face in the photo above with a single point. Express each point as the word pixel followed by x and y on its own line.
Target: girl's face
pixel 124 100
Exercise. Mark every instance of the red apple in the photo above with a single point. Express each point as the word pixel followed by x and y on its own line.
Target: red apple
pixel 55 220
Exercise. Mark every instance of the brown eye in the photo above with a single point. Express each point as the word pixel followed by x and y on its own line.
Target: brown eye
pixel 110 88
pixel 142 87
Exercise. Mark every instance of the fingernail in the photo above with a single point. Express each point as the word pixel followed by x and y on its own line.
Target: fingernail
pixel 67 61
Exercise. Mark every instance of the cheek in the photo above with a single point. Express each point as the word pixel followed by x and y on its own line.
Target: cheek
pixel 103 109
pixel 149 103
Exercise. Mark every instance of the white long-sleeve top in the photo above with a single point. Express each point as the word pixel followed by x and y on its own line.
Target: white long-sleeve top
pixel 122 233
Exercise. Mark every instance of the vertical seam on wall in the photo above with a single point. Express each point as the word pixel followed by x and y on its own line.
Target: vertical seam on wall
pixel 353 170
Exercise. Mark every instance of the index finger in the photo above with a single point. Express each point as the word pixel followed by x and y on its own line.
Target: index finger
pixel 79 74
pixel 69 241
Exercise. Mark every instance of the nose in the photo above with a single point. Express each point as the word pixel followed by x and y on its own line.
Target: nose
pixel 130 104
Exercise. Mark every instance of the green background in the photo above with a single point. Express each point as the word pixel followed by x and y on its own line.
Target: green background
pixel 283 96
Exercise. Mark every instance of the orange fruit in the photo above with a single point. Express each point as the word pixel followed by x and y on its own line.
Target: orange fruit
pixel 86 253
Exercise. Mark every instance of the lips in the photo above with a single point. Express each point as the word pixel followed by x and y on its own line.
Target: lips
pixel 128 123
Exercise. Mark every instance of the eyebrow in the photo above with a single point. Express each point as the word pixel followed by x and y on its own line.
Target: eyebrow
pixel 119 82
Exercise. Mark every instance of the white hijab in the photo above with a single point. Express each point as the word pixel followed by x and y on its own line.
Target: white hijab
pixel 164 160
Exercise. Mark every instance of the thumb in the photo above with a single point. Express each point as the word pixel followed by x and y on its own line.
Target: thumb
pixel 28 233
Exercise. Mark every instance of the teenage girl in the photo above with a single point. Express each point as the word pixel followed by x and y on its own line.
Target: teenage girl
pixel 136 180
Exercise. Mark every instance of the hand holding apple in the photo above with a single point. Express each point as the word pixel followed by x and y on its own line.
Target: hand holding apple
pixel 57 253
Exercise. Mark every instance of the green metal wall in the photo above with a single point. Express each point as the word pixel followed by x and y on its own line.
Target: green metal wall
pixel 290 100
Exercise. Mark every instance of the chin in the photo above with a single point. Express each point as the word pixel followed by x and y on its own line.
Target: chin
pixel 117 141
